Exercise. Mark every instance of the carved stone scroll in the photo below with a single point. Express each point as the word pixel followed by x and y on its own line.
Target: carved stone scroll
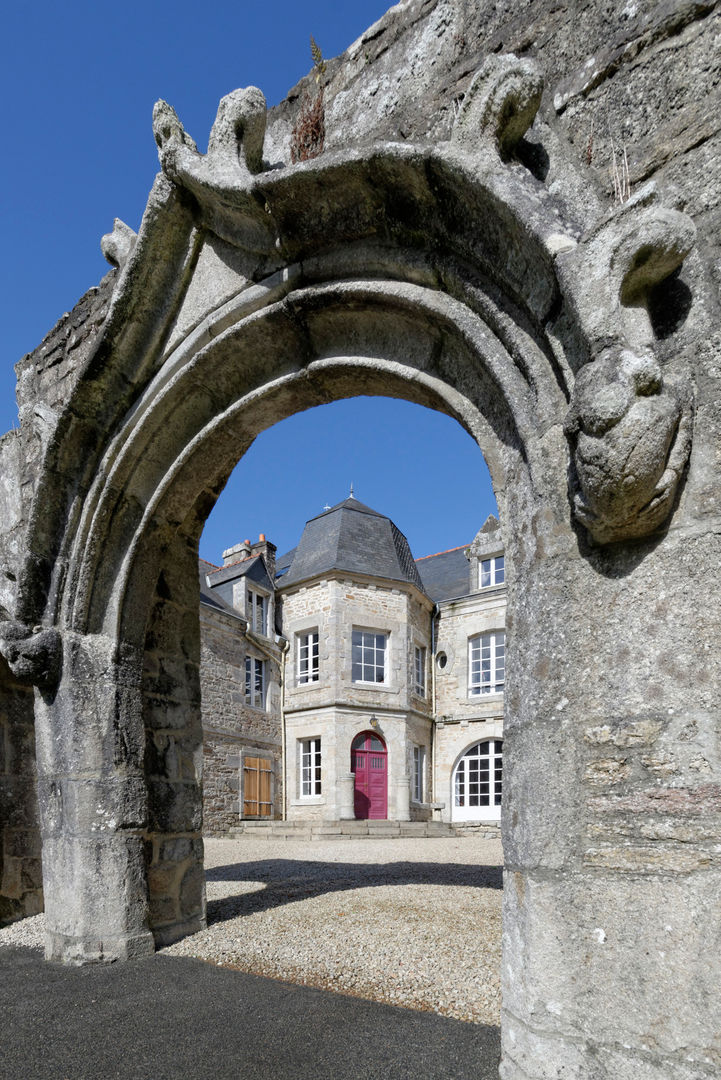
pixel 500 104
pixel 629 425
pixel 34 655
pixel 117 245
pixel 235 147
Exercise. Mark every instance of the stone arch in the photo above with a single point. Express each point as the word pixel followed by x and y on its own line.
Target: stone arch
pixel 130 575
pixel 447 274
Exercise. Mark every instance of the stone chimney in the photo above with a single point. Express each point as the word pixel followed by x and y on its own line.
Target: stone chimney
pixel 237 553
pixel 267 550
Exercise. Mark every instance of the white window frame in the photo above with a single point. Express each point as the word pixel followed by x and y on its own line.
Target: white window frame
pixel 479 767
pixel 255 682
pixel 310 763
pixel 419 773
pixel 258 612
pixel 308 657
pixel 373 657
pixel 419 670
pixel 487 663
pixel 491 571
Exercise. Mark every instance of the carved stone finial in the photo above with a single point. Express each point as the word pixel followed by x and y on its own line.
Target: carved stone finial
pixel 629 426
pixel 500 104
pixel 33 655
pixel 235 147
pixel 117 245
pixel 239 128
pixel 170 135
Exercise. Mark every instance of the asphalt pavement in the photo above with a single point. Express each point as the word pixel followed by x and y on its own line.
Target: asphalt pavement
pixel 165 1018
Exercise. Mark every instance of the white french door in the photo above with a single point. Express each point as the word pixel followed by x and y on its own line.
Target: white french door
pixel 478 783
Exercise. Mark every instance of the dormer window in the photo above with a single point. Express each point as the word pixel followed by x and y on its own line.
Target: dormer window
pixel 491 571
pixel 257 612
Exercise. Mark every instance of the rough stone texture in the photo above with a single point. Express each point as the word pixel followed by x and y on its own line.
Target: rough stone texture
pixel 173 753
pixel 335 708
pixel 462 719
pixel 21 886
pixel 230 727
pixel 434 270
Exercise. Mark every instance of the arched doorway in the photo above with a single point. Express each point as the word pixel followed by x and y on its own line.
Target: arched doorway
pixel 446 275
pixel 369 765
pixel 477 782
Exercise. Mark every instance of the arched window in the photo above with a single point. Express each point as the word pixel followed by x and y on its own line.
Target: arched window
pixel 478 782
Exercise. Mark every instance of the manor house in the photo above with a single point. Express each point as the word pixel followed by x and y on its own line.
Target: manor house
pixel 347 679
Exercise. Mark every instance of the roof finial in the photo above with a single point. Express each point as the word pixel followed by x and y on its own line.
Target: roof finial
pixel 351 496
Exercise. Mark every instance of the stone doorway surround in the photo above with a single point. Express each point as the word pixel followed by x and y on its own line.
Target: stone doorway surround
pixel 453 276
pixel 369 765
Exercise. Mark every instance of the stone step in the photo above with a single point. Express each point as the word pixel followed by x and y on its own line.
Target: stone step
pixel 347 830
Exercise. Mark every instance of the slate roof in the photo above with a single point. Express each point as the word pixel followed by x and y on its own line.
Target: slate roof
pixel 445 575
pixel 353 537
pixel 282 564
pixel 253 567
pixel 207 595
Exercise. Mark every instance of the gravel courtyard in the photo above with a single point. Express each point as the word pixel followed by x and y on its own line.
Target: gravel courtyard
pixel 413 922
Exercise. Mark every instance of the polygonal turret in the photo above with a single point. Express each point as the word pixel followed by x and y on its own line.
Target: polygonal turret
pixel 351 537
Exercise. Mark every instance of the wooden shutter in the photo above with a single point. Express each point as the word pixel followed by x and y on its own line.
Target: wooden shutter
pixel 257 773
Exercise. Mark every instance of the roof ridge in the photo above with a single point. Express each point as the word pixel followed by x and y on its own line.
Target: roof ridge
pixel 209 563
pixel 360 508
pixel 444 552
pixel 237 562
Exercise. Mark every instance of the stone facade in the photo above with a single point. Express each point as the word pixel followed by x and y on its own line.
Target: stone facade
pixel 427 720
pixel 336 708
pixel 231 728
pixel 520 227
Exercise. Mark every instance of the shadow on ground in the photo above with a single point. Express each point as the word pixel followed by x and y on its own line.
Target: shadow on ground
pixel 290 880
pixel 167 1017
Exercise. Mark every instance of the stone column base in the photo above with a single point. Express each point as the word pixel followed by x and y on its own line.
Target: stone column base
pixel 64 949
pixel 346 796
pixel 403 799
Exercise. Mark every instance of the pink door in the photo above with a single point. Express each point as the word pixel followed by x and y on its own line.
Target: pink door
pixel 369 763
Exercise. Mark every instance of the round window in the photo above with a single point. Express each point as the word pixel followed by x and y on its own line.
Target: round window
pixel 441 660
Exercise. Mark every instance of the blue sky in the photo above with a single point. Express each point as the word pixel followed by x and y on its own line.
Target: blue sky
pixel 79 81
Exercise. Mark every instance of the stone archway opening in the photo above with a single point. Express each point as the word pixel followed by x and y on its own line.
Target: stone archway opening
pixel 253 293
pixel 421 468
pixel 170 687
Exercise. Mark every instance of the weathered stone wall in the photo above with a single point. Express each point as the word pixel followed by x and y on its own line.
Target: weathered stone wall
pixel 463 719
pixel 335 607
pixel 484 286
pixel 50 372
pixel 224 647
pixel 230 727
pixel 173 751
pixel 335 708
pixel 645 75
pixel 480 613
pixel 21 880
